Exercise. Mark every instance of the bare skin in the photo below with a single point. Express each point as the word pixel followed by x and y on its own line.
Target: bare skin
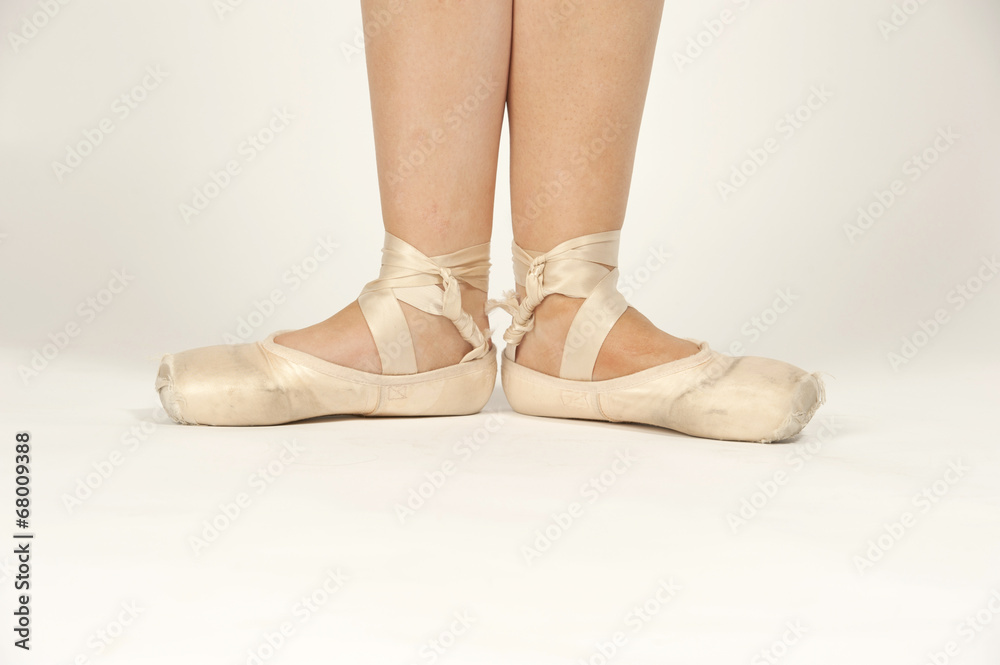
pixel 579 79
pixel 576 78
pixel 416 80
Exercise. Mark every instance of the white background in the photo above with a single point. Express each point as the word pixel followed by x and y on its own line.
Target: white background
pixel 895 428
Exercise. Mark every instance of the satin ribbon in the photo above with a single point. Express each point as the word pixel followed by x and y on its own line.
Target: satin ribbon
pixel 432 284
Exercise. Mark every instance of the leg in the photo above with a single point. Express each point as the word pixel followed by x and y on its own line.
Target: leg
pixel 577 87
pixel 578 84
pixel 437 76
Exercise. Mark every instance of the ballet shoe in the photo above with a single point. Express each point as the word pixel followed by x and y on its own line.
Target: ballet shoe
pixel 265 383
pixel 707 394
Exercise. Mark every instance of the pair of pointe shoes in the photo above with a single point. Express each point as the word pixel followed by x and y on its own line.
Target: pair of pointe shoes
pixel 707 394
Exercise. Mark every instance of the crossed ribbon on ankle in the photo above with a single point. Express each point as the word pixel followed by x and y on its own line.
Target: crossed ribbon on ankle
pixel 432 284
pixel 523 312
pixel 573 268
pixel 582 267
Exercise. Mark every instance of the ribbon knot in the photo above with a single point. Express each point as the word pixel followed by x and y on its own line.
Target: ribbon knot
pixel 524 313
pixel 573 268
pixel 432 285
pixel 452 299
pixel 534 284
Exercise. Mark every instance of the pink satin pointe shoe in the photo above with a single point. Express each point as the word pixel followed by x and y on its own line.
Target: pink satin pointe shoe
pixel 708 394
pixel 265 383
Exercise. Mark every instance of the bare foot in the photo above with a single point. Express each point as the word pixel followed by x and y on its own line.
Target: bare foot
pixel 345 339
pixel 634 343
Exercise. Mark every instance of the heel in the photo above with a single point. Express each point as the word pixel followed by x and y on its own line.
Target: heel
pixel 459 390
pixel 532 393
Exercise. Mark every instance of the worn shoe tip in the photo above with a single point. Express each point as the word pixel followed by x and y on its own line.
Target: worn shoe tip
pixel 170 397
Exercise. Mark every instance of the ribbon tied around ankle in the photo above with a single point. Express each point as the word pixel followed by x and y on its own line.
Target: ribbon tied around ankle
pixel 582 267
pixel 432 285
pixel 451 307
pixel 523 312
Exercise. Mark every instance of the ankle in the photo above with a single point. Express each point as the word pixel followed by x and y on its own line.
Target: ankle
pixel 553 315
pixel 437 342
pixel 632 345
pixel 474 302
pixel 542 346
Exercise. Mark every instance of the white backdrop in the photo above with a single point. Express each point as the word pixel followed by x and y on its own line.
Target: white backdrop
pixel 223 74
pixel 114 115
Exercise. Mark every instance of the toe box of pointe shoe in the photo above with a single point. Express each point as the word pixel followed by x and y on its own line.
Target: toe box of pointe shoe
pixel 221 385
pixel 728 398
pixel 751 399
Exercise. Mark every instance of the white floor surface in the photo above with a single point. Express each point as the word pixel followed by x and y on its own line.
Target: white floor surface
pixel 873 537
